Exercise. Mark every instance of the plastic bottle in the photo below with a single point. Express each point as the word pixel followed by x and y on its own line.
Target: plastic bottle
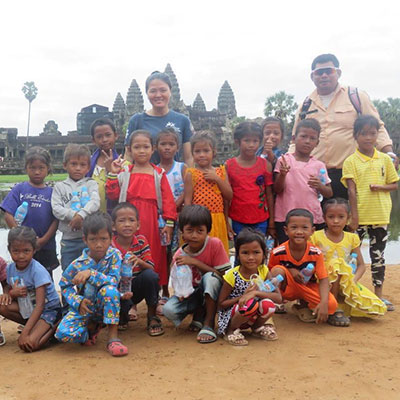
pixel 266 286
pixel 75 202
pixel 126 277
pixel 307 272
pixel 24 303
pixel 321 177
pixel 163 236
pixel 85 198
pixel 182 281
pixel 269 243
pixel 353 262
pixel 21 212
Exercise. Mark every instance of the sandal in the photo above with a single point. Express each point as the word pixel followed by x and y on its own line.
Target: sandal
pixel 195 326
pixel 280 309
pixel 339 319
pixel 116 348
pixel 236 338
pixel 155 329
pixel 206 331
pixel 389 305
pixel 160 305
pixel 304 313
pixel 265 332
pixel 2 338
pixel 93 336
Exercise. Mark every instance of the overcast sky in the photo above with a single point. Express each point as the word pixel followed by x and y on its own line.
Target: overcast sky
pixel 84 52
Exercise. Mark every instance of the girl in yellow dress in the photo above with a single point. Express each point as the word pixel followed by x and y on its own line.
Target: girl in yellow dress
pixel 208 186
pixel 338 246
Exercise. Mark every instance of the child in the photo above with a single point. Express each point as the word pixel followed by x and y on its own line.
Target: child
pixel 135 252
pixel 208 186
pixel 273 131
pixel 3 281
pixel 251 179
pixel 237 290
pixel 370 176
pixel 208 260
pixel 146 187
pixel 337 247
pixel 298 178
pixel 104 136
pixel 77 164
pixel 90 287
pixel 38 196
pixel 290 258
pixel 29 282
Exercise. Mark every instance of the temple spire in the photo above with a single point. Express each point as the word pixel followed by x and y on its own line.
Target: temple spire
pixel 175 101
pixel 134 99
pixel 198 104
pixel 226 101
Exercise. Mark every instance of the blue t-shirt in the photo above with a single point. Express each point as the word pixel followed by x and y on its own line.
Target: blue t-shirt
pixel 34 276
pixel 181 123
pixel 40 215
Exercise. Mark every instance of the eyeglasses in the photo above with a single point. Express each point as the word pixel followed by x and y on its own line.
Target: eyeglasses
pixel 327 70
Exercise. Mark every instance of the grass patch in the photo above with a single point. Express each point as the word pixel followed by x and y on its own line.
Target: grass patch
pixel 23 178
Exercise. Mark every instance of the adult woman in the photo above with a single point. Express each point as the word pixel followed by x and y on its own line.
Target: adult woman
pixel 158 90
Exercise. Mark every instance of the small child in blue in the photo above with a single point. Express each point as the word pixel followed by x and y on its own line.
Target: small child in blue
pixel 90 287
pixel 38 196
pixel 29 298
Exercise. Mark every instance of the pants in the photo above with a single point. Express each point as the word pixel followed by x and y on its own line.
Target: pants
pixel 144 286
pixel 265 309
pixel 71 249
pixel 73 327
pixel 337 187
pixel 377 242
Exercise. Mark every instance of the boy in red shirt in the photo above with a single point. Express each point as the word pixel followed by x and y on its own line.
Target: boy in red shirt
pixel 291 257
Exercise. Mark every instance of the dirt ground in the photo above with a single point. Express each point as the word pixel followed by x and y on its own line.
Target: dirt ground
pixel 307 362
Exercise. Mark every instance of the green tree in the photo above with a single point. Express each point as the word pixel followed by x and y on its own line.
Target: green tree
pixel 30 92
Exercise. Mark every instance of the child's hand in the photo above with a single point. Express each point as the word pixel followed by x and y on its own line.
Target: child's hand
pixel 167 230
pixel 211 176
pixel 25 343
pixel 185 260
pixel 81 277
pixel 108 159
pixel 5 299
pixel 127 296
pixel 245 298
pixel 84 307
pixel 314 182
pixel 19 291
pixel 353 225
pixel 134 260
pixel 375 188
pixel 321 311
pixel 271 231
pixel 116 165
pixel 268 149
pixel 297 275
pixel 284 167
pixel 76 222
pixel 250 288
pixel 231 233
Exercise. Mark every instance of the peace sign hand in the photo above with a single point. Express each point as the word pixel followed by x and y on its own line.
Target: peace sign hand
pixel 284 167
pixel 116 165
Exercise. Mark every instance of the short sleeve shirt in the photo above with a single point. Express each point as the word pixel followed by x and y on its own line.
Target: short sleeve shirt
pixel 229 277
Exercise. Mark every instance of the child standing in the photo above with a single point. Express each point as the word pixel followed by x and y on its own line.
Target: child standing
pixel 136 253
pixel 39 216
pixel 28 280
pixel 208 261
pixel 208 186
pixel 104 136
pixel 90 287
pixel 146 187
pixel 370 176
pixel 290 258
pixel 251 179
pixel 70 215
pixel 3 281
pixel 237 290
pixel 300 178
pixel 273 131
pixel 337 247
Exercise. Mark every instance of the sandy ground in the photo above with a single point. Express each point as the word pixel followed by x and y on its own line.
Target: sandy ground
pixel 307 362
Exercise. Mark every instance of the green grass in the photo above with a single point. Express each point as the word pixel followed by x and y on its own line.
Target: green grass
pixel 23 178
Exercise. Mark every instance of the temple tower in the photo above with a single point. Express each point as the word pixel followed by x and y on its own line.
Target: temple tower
pixel 134 100
pixel 198 104
pixel 119 112
pixel 175 101
pixel 226 101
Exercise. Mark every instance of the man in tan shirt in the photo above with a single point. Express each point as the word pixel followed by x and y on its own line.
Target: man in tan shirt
pixel 330 104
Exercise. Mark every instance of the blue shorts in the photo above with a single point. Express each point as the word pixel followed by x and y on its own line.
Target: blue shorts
pixel 51 316
pixel 259 226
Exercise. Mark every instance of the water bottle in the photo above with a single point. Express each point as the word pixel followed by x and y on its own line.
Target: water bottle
pixel 353 262
pixel 21 212
pixel 321 177
pixel 25 304
pixel 89 291
pixel 163 236
pixel 266 286
pixel 85 198
pixel 75 202
pixel 269 243
pixel 307 272
pixel 126 277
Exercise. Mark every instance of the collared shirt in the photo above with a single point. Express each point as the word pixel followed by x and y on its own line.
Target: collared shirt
pixel 336 141
pixel 373 206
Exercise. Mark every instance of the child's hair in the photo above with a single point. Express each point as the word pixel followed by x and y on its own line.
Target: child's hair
pixel 158 75
pixel 76 150
pixel 100 122
pixel 363 121
pixel 325 58
pixel 203 137
pixel 40 154
pixel 140 132
pixel 337 201
pixel 94 223
pixel 247 128
pixel 310 123
pixel 269 120
pixel 121 206
pixel 299 212
pixel 195 215
pixel 248 235
pixel 168 131
pixel 22 234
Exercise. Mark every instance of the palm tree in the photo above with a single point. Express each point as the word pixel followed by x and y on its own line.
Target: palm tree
pixel 30 91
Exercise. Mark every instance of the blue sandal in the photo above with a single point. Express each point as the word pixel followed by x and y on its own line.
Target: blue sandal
pixel 207 331
pixel 389 305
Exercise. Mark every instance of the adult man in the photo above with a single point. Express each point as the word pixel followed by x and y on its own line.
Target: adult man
pixel 336 110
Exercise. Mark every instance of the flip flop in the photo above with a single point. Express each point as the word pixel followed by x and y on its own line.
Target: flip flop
pixel 195 326
pixel 236 338
pixel 280 309
pixel 304 313
pixel 265 332
pixel 389 305
pixel 155 329
pixel 339 319
pixel 207 330
pixel 116 348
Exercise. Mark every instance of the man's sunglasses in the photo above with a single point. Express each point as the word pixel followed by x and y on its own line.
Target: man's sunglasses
pixel 321 71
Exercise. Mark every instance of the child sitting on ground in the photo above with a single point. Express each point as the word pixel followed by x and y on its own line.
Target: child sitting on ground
pixel 90 287
pixel 207 258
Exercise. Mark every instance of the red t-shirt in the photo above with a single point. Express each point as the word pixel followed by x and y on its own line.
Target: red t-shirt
pixel 249 203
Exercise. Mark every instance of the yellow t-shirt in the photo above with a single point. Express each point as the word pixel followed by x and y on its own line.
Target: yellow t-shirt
pixel 229 276
pixel 373 207
pixel 100 176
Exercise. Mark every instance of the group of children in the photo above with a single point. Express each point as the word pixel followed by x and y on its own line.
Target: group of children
pixel 181 217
